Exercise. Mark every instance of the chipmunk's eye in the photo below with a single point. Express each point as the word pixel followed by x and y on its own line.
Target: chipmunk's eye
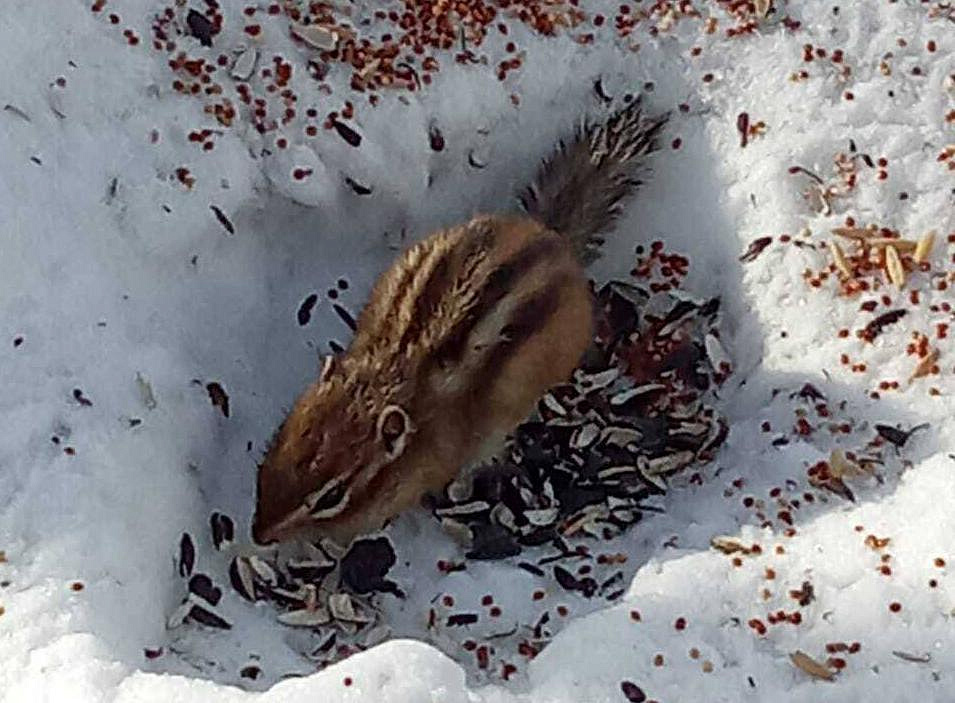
pixel 329 500
pixel 393 427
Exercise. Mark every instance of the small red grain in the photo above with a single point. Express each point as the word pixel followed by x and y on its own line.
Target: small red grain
pixel 895 606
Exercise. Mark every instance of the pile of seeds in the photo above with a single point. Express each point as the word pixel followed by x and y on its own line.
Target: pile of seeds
pixel 601 444
pixel 580 472
pixel 326 587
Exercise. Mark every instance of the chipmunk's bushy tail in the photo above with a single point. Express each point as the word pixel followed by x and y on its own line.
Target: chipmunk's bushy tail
pixel 580 189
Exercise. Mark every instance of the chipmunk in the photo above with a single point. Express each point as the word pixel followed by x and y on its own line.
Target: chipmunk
pixel 458 341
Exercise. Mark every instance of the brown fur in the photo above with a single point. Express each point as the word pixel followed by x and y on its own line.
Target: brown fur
pixel 460 336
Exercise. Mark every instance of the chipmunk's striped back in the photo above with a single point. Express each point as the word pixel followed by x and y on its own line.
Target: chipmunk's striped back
pixel 458 340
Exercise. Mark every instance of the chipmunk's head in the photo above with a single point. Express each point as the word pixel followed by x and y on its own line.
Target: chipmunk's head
pixel 341 435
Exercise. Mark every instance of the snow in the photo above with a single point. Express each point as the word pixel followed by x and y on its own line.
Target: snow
pixel 111 268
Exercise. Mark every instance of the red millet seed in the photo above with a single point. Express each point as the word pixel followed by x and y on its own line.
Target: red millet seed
pixel 658 660
pixel 939 562
pixel 448 601
pixel 931 46
pixel 487 600
pixel 635 615
pixel 347 681
pixel 538 595
pixel 849 96
pixel 253 30
pixel 562 610
pixel 114 18
pixel 895 606
pixel 76 586
pixel 708 78
pixel 281 143
pixel 837 662
pixel 737 562
pixel 886 570
pixel 676 145
pixel 680 624
pixel 495 611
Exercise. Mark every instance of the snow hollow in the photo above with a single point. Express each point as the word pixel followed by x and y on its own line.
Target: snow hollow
pixel 196 195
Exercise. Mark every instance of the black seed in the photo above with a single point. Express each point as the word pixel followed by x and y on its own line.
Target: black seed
pixel 17 341
pixel 530 568
pixel 601 93
pixel 223 529
pixel 347 133
pixel 237 582
pixel 223 220
pixel 342 284
pixel 365 566
pixel 207 617
pixel 435 138
pixel 346 316
pixel 250 672
pixel 201 27
pixel 305 309
pixel 357 187
pixel 202 586
pixel 896 436
pixel 81 399
pixel 462 619
pixel 218 396
pixel 633 693
pixel 187 555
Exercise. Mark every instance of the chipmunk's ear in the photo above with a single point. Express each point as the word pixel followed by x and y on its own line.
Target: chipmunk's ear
pixel 394 426
pixel 329 366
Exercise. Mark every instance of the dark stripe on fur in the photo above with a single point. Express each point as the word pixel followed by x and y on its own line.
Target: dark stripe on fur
pixel 497 285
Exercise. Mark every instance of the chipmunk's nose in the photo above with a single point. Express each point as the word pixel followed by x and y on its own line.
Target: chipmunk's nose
pixel 262 534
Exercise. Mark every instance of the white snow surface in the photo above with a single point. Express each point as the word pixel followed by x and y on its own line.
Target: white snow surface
pixel 110 268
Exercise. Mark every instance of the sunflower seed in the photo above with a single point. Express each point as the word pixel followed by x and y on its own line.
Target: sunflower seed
pixel 263 571
pixel 305 617
pixel 206 616
pixel 244 65
pixel 465 509
pixel 242 577
pixel 585 436
pixel 923 249
pixel 342 607
pixel 893 266
pixel 551 403
pixel 596 381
